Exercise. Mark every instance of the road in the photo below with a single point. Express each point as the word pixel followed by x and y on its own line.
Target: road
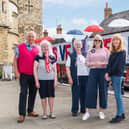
pixel 9 94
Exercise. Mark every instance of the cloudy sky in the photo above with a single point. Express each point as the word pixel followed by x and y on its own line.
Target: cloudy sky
pixel 77 14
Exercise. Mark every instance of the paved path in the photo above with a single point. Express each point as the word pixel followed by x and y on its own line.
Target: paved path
pixel 9 105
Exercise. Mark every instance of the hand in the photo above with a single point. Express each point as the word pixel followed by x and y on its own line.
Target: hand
pixel 71 81
pixel 55 84
pixel 107 77
pixel 17 75
pixel 97 64
pixel 37 84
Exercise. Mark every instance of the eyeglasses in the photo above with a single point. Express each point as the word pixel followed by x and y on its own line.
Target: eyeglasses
pixel 97 40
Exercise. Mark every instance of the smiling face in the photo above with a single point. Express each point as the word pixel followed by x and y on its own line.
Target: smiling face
pixel 45 48
pixel 116 43
pixel 30 38
pixel 97 42
pixel 78 47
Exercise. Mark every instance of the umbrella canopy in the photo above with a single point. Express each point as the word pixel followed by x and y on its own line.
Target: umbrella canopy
pixel 94 28
pixel 44 38
pixel 75 32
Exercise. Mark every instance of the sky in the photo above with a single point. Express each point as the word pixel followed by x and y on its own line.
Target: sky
pixel 77 14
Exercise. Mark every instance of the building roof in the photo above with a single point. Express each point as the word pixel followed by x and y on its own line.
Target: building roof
pixel 108 20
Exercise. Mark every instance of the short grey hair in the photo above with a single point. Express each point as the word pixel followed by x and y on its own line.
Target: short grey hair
pixel 77 42
pixel 31 32
pixel 49 45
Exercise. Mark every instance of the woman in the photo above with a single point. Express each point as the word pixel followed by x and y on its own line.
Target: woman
pixel 46 77
pixel 115 71
pixel 96 60
pixel 77 74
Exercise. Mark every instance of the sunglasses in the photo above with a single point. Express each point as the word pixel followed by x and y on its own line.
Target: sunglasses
pixel 97 40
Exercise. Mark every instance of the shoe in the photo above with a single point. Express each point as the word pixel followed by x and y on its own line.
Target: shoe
pixel 21 119
pixel 101 115
pixel 116 119
pixel 52 116
pixel 33 114
pixel 123 116
pixel 44 117
pixel 74 114
pixel 86 116
pixel 82 111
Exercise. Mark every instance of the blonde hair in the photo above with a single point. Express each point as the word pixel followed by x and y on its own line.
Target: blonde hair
pixel 77 42
pixel 49 47
pixel 100 37
pixel 120 47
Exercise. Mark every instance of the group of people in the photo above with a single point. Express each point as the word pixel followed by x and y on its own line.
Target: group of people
pixel 87 72
pixel 36 69
pixel 90 72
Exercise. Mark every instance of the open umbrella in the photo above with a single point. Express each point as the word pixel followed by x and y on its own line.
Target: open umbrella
pixel 44 38
pixel 75 32
pixel 94 28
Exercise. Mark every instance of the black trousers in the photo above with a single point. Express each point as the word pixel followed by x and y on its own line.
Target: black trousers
pixel 79 89
pixel 96 81
pixel 27 89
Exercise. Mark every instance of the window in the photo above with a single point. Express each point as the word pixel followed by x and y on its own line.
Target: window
pixel 29 6
pixel 3 7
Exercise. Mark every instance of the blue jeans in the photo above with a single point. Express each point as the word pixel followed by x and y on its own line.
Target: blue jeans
pixel 116 84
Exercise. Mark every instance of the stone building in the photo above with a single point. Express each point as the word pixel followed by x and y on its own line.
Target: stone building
pixel 30 17
pixel 16 18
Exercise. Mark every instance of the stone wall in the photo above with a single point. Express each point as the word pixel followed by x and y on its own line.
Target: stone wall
pixel 4 12
pixel 30 17
pixel 3 45
pixel 8 41
pixel 13 40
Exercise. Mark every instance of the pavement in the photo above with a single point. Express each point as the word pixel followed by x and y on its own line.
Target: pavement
pixel 9 95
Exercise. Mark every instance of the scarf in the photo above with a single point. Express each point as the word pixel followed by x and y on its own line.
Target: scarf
pixel 47 64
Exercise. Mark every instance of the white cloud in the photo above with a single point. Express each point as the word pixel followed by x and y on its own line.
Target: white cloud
pixel 79 21
pixel 83 22
pixel 74 3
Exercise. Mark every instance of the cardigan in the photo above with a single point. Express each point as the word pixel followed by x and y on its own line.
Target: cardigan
pixel 116 63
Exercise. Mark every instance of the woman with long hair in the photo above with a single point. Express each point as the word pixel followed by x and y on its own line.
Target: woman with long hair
pixel 115 69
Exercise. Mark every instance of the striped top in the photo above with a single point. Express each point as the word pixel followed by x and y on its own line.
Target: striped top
pixel 42 72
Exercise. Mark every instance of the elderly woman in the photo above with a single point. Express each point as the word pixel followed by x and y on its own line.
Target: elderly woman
pixel 77 73
pixel 96 60
pixel 46 77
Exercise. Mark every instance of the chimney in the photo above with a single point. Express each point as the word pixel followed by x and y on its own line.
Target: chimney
pixel 107 11
pixel 45 33
pixel 59 29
